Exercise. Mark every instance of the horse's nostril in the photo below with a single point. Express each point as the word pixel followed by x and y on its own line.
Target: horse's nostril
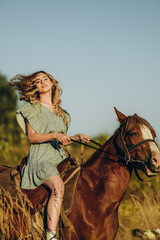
pixel 154 159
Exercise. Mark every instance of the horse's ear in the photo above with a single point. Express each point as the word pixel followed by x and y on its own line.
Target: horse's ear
pixel 121 116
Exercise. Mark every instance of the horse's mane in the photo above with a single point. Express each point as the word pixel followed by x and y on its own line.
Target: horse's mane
pixel 132 120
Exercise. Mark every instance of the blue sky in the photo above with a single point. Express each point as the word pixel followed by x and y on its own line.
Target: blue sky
pixel 105 53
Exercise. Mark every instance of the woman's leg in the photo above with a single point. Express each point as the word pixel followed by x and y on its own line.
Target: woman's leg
pixel 56 186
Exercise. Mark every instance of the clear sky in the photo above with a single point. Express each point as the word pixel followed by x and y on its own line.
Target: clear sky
pixel 105 53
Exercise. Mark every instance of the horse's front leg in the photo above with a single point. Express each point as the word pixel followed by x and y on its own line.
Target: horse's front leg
pixel 109 227
pixel 69 234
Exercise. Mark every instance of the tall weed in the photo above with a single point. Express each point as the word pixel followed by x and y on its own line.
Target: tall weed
pixel 17 221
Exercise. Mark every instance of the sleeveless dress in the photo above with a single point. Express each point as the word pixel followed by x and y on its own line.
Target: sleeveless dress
pixel 43 158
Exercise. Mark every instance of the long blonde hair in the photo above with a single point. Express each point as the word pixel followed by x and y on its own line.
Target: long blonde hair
pixel 25 84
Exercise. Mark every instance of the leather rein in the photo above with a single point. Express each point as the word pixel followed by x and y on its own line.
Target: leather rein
pixel 125 149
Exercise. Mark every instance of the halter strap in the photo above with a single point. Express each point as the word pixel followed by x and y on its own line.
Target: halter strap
pixel 131 148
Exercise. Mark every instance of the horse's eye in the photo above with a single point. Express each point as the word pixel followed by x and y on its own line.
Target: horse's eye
pixel 132 133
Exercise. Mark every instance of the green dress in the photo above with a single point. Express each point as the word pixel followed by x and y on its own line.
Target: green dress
pixel 43 158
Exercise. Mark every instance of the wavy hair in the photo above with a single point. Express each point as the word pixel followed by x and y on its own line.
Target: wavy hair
pixel 25 84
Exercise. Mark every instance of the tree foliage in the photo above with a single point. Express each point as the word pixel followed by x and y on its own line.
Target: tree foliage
pixel 8 105
pixel 10 133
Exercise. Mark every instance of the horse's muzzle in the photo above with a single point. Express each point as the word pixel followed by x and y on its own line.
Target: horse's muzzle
pixel 155 160
pixel 154 163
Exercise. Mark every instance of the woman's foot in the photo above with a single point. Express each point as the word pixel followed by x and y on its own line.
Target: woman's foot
pixel 51 235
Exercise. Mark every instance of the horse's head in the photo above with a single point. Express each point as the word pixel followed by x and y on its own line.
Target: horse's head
pixel 136 139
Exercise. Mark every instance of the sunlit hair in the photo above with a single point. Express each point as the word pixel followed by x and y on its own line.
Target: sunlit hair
pixel 28 91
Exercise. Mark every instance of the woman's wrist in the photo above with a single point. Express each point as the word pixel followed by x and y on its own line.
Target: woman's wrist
pixel 76 137
pixel 81 137
pixel 54 135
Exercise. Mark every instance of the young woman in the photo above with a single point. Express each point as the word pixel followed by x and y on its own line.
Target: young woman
pixel 46 125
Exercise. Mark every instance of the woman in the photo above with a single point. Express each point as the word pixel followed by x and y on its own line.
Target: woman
pixel 46 125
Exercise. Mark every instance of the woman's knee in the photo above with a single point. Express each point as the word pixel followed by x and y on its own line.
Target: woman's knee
pixel 59 188
pixel 56 186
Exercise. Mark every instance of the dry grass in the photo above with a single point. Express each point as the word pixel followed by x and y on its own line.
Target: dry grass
pixel 138 214
pixel 16 220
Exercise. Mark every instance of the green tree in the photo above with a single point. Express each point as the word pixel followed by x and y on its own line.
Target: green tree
pixel 8 105
pixel 11 136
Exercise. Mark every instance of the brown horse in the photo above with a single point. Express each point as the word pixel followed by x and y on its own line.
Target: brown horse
pixel 105 177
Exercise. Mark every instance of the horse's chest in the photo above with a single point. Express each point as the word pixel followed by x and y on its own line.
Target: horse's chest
pixel 116 183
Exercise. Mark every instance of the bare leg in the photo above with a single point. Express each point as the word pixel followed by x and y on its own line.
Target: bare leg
pixel 56 186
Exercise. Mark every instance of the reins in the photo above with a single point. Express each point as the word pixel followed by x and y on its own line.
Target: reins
pixel 100 150
pixel 126 149
pixel 85 144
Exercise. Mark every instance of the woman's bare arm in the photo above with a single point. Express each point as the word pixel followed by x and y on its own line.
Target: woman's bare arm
pixel 35 137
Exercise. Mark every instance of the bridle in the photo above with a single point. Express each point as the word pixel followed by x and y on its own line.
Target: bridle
pixel 126 150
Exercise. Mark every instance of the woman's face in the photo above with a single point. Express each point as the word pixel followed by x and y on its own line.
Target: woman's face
pixel 43 83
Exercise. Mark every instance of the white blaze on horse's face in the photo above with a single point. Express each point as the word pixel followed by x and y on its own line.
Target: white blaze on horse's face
pixel 155 153
pixel 146 133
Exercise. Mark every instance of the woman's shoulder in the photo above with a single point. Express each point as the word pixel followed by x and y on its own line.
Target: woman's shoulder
pixel 29 112
pixel 66 113
pixel 68 116
pixel 28 108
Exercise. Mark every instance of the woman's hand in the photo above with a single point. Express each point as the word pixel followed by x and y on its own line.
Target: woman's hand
pixel 81 137
pixel 63 138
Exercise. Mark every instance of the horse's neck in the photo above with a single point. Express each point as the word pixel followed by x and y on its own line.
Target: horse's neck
pixel 107 152
pixel 107 169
